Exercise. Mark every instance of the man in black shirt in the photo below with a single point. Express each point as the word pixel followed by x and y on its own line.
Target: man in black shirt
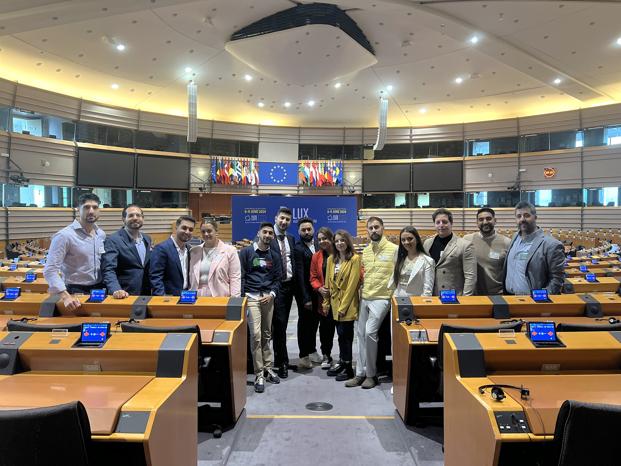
pixel 260 272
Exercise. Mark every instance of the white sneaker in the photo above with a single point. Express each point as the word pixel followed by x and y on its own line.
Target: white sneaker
pixel 326 362
pixel 315 358
pixel 305 363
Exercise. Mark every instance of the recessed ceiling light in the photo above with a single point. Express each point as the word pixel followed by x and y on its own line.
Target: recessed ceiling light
pixel 287 104
pixel 248 77
pixel 557 81
pixel 459 80
pixel 389 87
pixel 261 104
pixel 474 40
pixel 188 69
pixel 120 47
pixel 114 86
pixel 619 41
pixel 337 85
pixel 423 110
pixel 311 103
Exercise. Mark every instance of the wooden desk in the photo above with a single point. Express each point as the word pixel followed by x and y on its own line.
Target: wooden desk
pixel 18 272
pixel 38 286
pixel 604 284
pixel 23 264
pixel 599 272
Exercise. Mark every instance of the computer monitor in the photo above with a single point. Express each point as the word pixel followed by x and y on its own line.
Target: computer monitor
pixel 591 278
pixel 540 296
pixel 30 277
pixel 448 297
pixel 11 294
pixel 94 333
pixel 188 297
pixel 97 296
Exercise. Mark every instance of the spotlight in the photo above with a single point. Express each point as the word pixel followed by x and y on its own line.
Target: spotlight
pixel 188 69
pixel 474 40
pixel 287 104
pixel 114 86
pixel 261 104
pixel 337 85
pixel 422 110
pixel 557 81
pixel 389 87
pixel 619 41
pixel 311 103
pixel 248 77
pixel 120 47
pixel 459 80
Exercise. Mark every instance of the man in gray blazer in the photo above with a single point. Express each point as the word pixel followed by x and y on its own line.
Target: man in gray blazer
pixel 456 266
pixel 535 260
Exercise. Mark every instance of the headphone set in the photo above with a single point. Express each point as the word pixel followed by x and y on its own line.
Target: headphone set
pixel 611 320
pixel 498 394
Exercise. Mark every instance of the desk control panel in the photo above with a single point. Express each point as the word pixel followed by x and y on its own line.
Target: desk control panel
pixel 419 336
pixel 511 422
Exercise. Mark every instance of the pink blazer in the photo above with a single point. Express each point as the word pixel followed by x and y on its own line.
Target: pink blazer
pixel 224 274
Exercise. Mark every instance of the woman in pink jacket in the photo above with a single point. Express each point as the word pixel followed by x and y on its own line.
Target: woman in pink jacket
pixel 214 266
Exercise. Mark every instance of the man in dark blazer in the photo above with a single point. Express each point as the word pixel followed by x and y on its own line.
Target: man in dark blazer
pixel 170 260
pixel 284 244
pixel 125 262
pixel 305 297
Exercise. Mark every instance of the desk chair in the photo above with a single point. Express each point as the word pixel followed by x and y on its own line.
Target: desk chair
pixel 22 325
pixel 45 436
pixel 587 433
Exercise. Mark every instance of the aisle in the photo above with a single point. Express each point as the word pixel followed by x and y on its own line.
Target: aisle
pixel 360 429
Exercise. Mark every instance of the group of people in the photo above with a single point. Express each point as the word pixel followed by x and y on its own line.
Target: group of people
pixel 333 286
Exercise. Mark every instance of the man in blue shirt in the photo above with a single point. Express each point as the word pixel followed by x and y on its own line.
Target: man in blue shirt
pixel 73 260
pixel 125 263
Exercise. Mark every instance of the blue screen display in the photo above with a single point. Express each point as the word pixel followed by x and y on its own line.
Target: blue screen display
pixel 448 296
pixel 541 331
pixel 584 269
pixel 94 332
pixel 591 278
pixel 594 261
pixel 12 293
pixel 540 296
pixel 30 277
pixel 187 297
pixel 97 296
pixel 13 267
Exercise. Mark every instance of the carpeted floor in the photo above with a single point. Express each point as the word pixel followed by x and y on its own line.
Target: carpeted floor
pixel 362 428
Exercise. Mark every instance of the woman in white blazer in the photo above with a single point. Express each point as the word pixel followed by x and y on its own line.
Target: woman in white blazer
pixel 415 270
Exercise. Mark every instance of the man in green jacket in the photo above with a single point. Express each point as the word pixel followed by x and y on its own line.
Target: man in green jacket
pixel 378 262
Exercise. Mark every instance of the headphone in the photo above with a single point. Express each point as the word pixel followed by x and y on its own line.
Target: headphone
pixel 611 320
pixel 498 394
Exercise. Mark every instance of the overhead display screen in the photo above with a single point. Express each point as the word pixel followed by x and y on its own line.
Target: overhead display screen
pixel 105 169
pixel 156 172
pixel 437 176
pixel 389 177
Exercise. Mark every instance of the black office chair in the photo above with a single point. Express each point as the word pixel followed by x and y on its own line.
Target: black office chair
pixel 23 325
pixel 587 433
pixel 45 436
pixel 587 327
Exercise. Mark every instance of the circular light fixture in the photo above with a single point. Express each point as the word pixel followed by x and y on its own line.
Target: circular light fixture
pixel 248 77
pixel 474 40
pixel 311 103
pixel 120 47
pixel 557 81
pixel 459 80
pixel 422 110
pixel 188 69
pixel 337 85
pixel 261 104
pixel 619 41
pixel 287 104
pixel 114 86
pixel 389 87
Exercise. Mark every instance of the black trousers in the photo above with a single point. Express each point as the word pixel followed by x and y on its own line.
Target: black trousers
pixel 345 331
pixel 84 289
pixel 308 322
pixel 384 345
pixel 280 319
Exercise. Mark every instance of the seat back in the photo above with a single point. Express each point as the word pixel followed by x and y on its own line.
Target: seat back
pixel 21 326
pixel 136 327
pixel 587 433
pixel 45 436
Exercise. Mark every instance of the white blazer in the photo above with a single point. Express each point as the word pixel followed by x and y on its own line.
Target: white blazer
pixel 421 278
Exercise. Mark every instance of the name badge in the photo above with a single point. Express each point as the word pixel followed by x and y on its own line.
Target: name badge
pixel 494 255
pixel 101 250
pixel 522 256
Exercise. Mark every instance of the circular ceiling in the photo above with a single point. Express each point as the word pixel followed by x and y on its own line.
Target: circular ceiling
pixel 438 62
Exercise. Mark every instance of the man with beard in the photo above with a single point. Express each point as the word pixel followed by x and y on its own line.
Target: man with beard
pixel 490 250
pixel 535 260
pixel 126 261
pixel 170 264
pixel 306 299
pixel 74 258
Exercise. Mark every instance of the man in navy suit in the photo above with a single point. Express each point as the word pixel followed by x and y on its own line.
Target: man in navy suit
pixel 125 262
pixel 170 261
pixel 284 244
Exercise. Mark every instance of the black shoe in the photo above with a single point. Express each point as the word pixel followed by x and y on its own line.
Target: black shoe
pixel 348 372
pixel 336 369
pixel 259 384
pixel 283 371
pixel 270 376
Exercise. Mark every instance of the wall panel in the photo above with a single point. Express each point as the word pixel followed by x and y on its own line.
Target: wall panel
pixel 50 103
pixel 602 166
pixel 477 171
pixel 322 135
pixel 7 92
pixel 566 163
pixel 200 173
pixel 36 223
pixel 278 134
pixel 352 177
pixel 601 116
pixel 602 217
pixel 112 116
pixel 44 161
pixel 170 124
pixel 278 152
pixel 491 129
pixel 550 122
pixel 438 133
pixel 4 160
pixel 236 131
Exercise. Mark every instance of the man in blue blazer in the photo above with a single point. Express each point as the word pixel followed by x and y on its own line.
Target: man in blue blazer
pixel 125 262
pixel 170 262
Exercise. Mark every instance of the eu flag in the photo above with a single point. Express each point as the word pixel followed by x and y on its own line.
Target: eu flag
pixel 277 173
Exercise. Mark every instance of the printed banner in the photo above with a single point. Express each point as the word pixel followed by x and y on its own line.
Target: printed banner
pixel 334 212
pixel 317 174
pixel 276 173
pixel 234 171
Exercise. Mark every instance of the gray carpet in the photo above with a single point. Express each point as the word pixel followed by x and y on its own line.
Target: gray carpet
pixel 362 428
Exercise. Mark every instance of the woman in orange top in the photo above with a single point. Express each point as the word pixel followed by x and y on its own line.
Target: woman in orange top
pixel 319 261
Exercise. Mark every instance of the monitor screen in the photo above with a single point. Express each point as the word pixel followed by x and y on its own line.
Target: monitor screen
pixel 386 177
pixel 584 269
pixel 97 296
pixel 540 296
pixel 157 172
pixel 95 332
pixel 591 278
pixel 12 293
pixel 448 297
pixel 541 331
pixel 437 176
pixel 30 277
pixel 187 297
pixel 13 267
pixel 594 261
pixel 101 168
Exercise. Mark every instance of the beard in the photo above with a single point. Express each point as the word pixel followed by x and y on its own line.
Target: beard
pixel 375 236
